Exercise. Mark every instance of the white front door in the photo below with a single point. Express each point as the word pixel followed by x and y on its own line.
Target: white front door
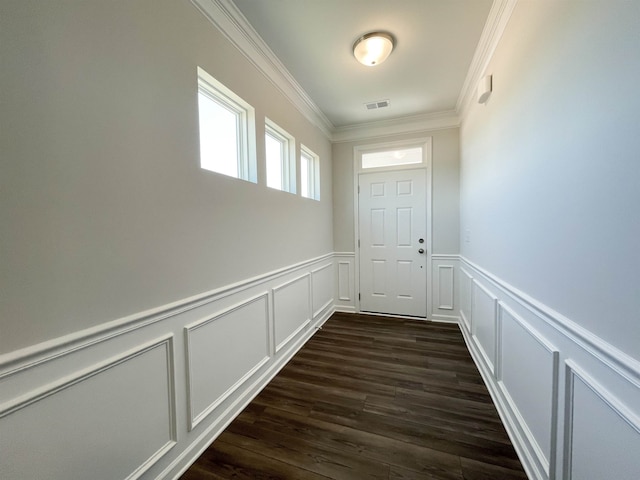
pixel 393 257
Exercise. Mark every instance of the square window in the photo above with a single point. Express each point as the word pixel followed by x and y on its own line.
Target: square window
pixel 227 130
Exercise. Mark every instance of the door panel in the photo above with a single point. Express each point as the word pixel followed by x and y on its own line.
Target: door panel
pixel 392 216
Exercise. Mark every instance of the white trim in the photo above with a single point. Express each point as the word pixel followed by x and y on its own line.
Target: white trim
pixel 19 360
pixel 197 446
pixel 491 362
pixel 427 165
pixel 573 371
pixel 344 254
pixel 194 420
pixel 450 305
pixel 317 312
pixel 440 318
pixel 347 297
pixel 75 378
pixel 427 122
pixel 445 256
pixel 307 321
pixel 494 27
pixel 618 361
pixel 227 18
pixel 547 465
pixel 513 430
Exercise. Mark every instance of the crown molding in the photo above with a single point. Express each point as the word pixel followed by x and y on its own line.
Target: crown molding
pixel 397 126
pixel 230 21
pixel 226 17
pixel 497 20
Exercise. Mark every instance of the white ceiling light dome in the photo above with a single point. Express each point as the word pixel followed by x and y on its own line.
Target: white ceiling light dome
pixel 373 48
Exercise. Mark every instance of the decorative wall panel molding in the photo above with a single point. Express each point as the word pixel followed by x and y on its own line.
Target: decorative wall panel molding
pixel 72 399
pixel 484 306
pixel 291 309
pixel 466 304
pixel 554 430
pixel 322 288
pixel 445 287
pixel 344 282
pixel 527 373
pixel 223 352
pixel 602 434
pixel 123 406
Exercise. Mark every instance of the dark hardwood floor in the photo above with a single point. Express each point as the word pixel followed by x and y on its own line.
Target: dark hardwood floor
pixel 369 397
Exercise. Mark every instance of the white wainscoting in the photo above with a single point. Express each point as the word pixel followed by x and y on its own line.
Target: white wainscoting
pixel 580 422
pixel 484 306
pixel 602 434
pixel 142 397
pixel 223 351
pixel 291 309
pixel 466 288
pixel 322 286
pixel 344 284
pixel 445 288
pixel 114 419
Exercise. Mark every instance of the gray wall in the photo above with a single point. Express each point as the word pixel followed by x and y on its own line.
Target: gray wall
pixel 550 171
pixel 104 210
pixel 445 181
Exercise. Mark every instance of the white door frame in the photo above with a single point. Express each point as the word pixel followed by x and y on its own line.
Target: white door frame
pixel 426 144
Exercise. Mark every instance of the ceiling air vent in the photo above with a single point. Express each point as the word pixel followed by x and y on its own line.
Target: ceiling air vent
pixel 376 105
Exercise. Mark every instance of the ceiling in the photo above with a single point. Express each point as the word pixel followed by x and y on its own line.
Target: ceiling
pixel 435 44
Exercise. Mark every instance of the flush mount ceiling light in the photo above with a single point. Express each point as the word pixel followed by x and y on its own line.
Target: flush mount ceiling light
pixel 373 48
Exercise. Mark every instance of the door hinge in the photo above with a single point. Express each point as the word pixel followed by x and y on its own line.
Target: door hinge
pixel 358 189
pixel 359 297
pixel 358 243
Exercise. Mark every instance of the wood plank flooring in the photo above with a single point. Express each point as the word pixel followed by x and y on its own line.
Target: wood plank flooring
pixel 369 398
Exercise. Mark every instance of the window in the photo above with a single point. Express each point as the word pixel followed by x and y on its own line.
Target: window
pixel 392 158
pixel 279 153
pixel 309 174
pixel 227 130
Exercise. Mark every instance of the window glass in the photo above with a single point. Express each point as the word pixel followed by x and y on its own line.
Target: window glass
pixel 390 158
pixel 227 130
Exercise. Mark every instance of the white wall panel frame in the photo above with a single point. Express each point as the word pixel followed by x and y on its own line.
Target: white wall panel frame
pixel 555 338
pixel 575 373
pixel 466 298
pixel 544 459
pixel 293 325
pixel 618 361
pixel 321 288
pixel 40 395
pixel 344 287
pixel 484 329
pixel 26 358
pixel 344 282
pixel 191 330
pixel 445 283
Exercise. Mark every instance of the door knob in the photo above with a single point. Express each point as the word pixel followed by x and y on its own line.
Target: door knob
pixel 421 250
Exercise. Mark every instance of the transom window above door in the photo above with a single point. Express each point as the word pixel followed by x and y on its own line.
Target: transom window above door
pixel 392 158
